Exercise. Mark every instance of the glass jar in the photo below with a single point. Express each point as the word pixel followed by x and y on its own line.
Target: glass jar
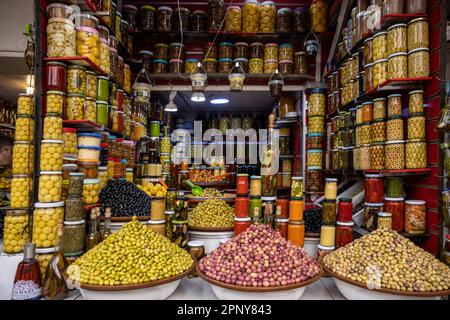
pixel 314 180
pixel 268 19
pixel 199 21
pixel 327 235
pixel 15 231
pixel 344 233
pixel 286 52
pixel 45 223
pixel 318 16
pixel 52 127
pixel 380 74
pixel 91 190
pixel 102 113
pixel 394 129
pixel 317 103
pixel 395 155
pixel 371 211
pixel 364 157
pixel 210 65
pixel 415 101
pixel 51 155
pixel 377 156
pixel 418 34
pixel 76 80
pixel 50 186
pixel 74 236
pixel 286 66
pixel 300 23
pixel 316 125
pixel 240 50
pixel 329 212
pixel 331 189
pixel 368 77
pixel 367 111
pixel 23 157
pixel 374 188
pixel 176 66
pixel 250 16
pixel 54 102
pixel 255 208
pixel 315 141
pixel 161 52
pixel 56 76
pixel 270 66
pixel 366 133
pixel 216 14
pixel 147 18
pixel 379 46
pixel 416 126
pixel 416 154
pixel 345 210
pixel 300 63
pixel 88 43
pixel 181 19
pixel 394 105
pixel 314 158
pixel 270 52
pixel 191 66
pixel 233 19
pixel 378 131
pixel 176 51
pixel 91 85
pixel 419 63
pixel 395 187
pixel 284 20
pixel 416 6
pixel 379 109
pixel 75 106
pixel 398 66
pixel 105 53
pixel 160 66
pixel 396 207
pixel 255 186
pixel 384 220
pixel 397 39
pixel 368 51
pixel 61 38
pixel 415 216
pixel 296 233
pixel 74 209
pixel 256 66
pixel 21 188
pixel 268 186
pixel 164 19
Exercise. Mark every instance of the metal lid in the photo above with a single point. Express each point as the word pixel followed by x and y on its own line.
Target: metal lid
pixel 41 205
pixel 415 202
pixel 384 214
pixel 367 204
pixel 345 224
pixel 394 199
pixel 74 223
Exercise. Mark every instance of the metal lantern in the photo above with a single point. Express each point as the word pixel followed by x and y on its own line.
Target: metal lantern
pixel 236 78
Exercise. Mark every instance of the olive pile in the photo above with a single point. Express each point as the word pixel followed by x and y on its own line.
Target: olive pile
pixel 313 220
pixel 133 255
pixel 385 259
pixel 124 199
pixel 212 213
pixel 211 193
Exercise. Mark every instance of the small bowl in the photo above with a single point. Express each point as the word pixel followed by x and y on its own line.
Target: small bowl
pixel 354 290
pixel 225 291
pixel 154 290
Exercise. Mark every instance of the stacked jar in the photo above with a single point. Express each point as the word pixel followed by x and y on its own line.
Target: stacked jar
pixel 373 196
pixel 415 148
pixel 395 143
pixel 242 203
pixel 255 202
pixel 418 48
pixel 344 225
pixel 88 161
pixel 329 214
pixel 296 225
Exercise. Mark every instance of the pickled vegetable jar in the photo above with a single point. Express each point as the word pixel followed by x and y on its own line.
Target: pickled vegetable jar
pixel 15 232
pixel 216 13
pixel 164 19
pixel 418 34
pixel 316 125
pixel 88 43
pixel 52 127
pixel 380 46
pixel 329 212
pixel 380 74
pixel 56 76
pixel 398 66
pixel 23 157
pixel 270 51
pixel 378 131
pixel 45 223
pixel 75 106
pixel 50 186
pixel 377 156
pixel 233 19
pixel 314 158
pixel 25 104
pixel 396 207
pixel 415 101
pixel 268 12
pixel 91 190
pixel 416 154
pixel 51 155
pixel 394 105
pixel 395 155
pixel 70 140
pixel 318 14
pixel 374 188
pixel 416 126
pixel 379 109
pixel 397 39
pixel 61 38
pixel 21 188
pixel 284 20
pixel 344 233
pixel 419 63
pixel 371 211
pixel 91 85
pixel 415 216
pixel 55 102
pixel 24 128
pixel 102 113
pixel 76 80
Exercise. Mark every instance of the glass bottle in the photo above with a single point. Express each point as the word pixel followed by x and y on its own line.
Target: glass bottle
pixel 27 281
pixel 54 284
pixel 181 207
pixel 107 224
pixel 93 238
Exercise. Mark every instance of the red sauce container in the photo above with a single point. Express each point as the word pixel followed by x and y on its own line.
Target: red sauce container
pixel 373 188
pixel 396 207
pixel 242 184
pixel 241 206
pixel 281 225
pixel 345 210
pixel 56 76
pixel 240 225
pixel 282 208
pixel 344 233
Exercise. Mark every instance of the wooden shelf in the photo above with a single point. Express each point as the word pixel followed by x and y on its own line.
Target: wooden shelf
pixel 81 61
pixel 7 126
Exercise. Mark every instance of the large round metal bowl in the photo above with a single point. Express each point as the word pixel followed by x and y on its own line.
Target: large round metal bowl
pixel 354 290
pixel 154 290
pixel 225 291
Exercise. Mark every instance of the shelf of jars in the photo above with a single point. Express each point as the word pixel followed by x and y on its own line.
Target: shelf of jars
pixel 81 61
pixel 388 85
pixel 7 126
pixel 383 173
pixel 286 122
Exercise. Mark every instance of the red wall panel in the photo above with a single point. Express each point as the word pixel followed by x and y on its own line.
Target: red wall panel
pixel 435 62
pixel 435 39
pixel 432 108
pixel 431 132
pixel 435 17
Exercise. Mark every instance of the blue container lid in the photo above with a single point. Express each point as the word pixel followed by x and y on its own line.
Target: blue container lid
pixel 316 134
pixel 226 60
pixel 317 90
pixel 111 137
pixel 91 134
pixel 315 151
pixel 225 43
pixel 286 45
pixel 192 60
pixel 160 61
pixel 91 148
pixel 124 161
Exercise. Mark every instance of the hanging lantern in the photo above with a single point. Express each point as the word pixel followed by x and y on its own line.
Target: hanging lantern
pixel 198 80
pixel 276 83
pixel 311 46
pixel 236 78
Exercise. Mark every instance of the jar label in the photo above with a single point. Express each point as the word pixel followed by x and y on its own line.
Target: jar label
pixel 26 290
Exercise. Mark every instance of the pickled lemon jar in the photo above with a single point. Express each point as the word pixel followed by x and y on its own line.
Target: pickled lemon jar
pixel 256 66
pixel 53 127
pixel 55 101
pixel 233 19
pixel 24 128
pixel 91 191
pixel 268 19
pixel 91 85
pixel 102 176
pixel 76 79
pixel 25 104
pixel 318 16
pixel 379 46
pixel 90 111
pixel 75 106
pixel 398 66
pixel 380 72
pixel 45 223
pixel 21 186
pixel 70 140
pixel 61 38
pixel 270 51
pixel 250 16
pixel 418 34
pixel 51 155
pixel 50 186
pixel 88 38
pixel 15 232
pixel 317 102
pixel 23 157
pixel 105 53
pixel 44 256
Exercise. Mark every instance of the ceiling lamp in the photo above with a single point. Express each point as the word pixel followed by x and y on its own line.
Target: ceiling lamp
pixel 220 101
pixel 198 97
pixel 171 106
pixel 198 84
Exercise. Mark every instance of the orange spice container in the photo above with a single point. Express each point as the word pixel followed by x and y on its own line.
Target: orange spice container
pixel 296 210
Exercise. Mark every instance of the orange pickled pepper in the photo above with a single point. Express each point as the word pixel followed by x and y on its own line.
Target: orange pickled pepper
pixel 296 210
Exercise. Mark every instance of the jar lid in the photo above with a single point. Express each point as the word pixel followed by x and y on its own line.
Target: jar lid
pixel 315 151
pixel 70 157
pixel 165 8
pixel 268 199
pixel 415 141
pixel 225 60
pixel 210 60
pixel 345 224
pixel 373 176
pixel 418 19
pixel 161 45
pixel 284 10
pixel 394 95
pixel 286 61
pixel 176 61
pixel 297 178
pixel 192 60
pixel 415 91
pixel 415 202
pixel 271 45
pixel 60 93
pixel 395 118
pixel 331 180
pixel 92 148
pixel 369 65
pixel 314 168
pixel 368 39
pixel 417 50
pixel 91 181
pixel 156 222
pixel 416 114
pixel 396 26
pixel 147 7
pixel 45 250
pixel 384 214
pixel 69 167
pixel 255 177
pixel 103 168
pixel 79 95
pixel 380 61
pixel 379 99
pixel 147 52
pixel 169 212
pixel 22 142
pixel 299 223
pixel 41 205
pixel 101 102
pixel 56 63
pixel 397 54
pixel 286 45
pixel 282 220
pixel 345 200
pixel 271 61
pixel 379 34
pixel 176 44
pixel 394 199
pixel 53 141
pixel 395 142
pixel 74 223
pixel 160 61
pixel 92 135
pixel 367 204
pixel 315 134
pixel 268 3
pixel 324 248
pixel 245 44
